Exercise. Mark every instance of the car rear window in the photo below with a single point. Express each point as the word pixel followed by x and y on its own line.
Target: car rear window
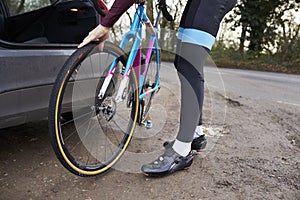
pixel 17 7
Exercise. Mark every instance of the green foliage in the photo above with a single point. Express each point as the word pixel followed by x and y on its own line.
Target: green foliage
pixel 231 57
pixel 269 40
pixel 18 7
pixel 260 21
pixel 271 32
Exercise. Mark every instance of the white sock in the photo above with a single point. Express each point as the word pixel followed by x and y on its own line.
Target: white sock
pixel 198 131
pixel 182 148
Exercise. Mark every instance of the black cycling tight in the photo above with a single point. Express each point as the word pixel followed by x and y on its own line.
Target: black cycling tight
pixel 198 28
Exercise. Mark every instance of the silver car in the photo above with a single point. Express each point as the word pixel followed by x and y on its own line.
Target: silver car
pixel 36 37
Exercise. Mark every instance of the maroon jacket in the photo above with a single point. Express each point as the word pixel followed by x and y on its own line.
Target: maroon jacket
pixel 117 9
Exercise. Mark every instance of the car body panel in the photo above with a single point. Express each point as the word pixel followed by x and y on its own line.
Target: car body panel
pixel 28 70
pixel 29 91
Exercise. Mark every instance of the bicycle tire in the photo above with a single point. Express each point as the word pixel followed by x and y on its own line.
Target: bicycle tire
pixel 74 141
pixel 151 78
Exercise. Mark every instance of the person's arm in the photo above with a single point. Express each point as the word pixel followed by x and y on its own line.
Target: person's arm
pixel 117 10
pixel 102 30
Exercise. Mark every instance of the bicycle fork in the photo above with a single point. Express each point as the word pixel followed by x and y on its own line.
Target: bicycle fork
pixel 121 91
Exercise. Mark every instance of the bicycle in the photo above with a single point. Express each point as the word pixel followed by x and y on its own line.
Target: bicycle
pixel 100 96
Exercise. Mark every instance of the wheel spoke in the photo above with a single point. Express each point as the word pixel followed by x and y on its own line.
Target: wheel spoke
pixel 99 128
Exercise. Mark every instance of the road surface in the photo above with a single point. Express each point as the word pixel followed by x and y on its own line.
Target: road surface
pixel 282 88
pixel 255 157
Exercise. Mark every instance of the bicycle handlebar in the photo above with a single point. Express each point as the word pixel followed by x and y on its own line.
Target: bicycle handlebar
pixel 163 7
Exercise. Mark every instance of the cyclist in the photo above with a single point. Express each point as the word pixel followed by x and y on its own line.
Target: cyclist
pixel 198 28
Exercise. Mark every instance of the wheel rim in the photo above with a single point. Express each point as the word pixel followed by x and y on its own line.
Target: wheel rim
pixel 83 130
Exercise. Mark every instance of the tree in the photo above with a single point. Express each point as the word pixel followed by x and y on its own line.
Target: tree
pixel 288 39
pixel 150 10
pixel 18 7
pixel 168 29
pixel 259 20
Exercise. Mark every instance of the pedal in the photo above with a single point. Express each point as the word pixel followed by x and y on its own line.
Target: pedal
pixel 147 124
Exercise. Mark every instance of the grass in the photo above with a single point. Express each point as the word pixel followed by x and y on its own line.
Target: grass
pixel 230 58
pixel 249 63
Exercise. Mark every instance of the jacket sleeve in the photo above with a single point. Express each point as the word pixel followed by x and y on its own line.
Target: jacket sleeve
pixel 117 9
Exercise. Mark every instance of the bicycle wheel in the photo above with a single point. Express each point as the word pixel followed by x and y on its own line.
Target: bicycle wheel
pixel 151 78
pixel 96 132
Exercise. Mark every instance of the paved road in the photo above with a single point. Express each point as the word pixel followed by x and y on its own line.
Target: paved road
pixel 282 88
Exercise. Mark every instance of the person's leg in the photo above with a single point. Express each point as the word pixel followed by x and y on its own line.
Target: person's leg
pixel 199 26
pixel 198 29
pixel 190 71
pixel 192 97
pixel 189 65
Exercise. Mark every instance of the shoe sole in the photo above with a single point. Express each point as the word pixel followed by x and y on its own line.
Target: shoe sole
pixel 162 174
pixel 154 175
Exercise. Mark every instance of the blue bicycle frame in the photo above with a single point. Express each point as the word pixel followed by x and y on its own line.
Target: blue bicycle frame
pixel 134 58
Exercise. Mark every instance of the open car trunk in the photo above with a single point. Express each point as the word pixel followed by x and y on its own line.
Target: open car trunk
pixel 65 22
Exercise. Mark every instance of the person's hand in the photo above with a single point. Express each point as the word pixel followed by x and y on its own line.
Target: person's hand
pixel 100 33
